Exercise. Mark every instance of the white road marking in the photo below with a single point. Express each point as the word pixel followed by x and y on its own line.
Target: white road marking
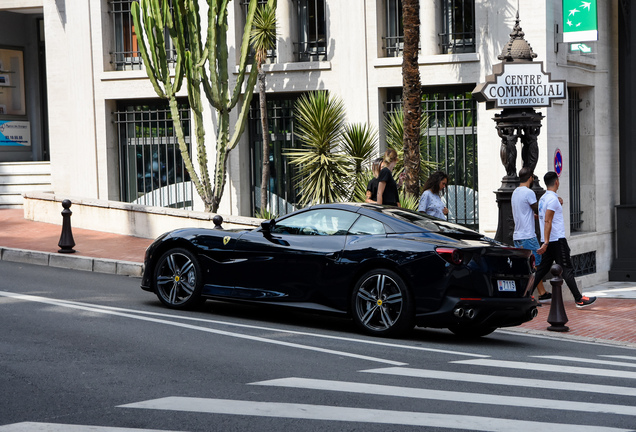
pixel 619 357
pixel 586 360
pixel 91 308
pixel 546 367
pixel 360 415
pixel 449 396
pixel 231 324
pixel 507 381
pixel 56 427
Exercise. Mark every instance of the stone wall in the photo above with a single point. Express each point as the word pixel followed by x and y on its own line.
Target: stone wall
pixel 123 218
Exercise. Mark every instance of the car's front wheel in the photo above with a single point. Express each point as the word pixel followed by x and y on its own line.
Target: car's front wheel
pixel 178 279
pixel 381 304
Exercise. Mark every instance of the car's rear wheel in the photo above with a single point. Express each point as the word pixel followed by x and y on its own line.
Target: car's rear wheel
pixel 178 279
pixel 471 332
pixel 381 304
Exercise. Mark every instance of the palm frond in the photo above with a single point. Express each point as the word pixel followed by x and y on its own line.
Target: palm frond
pixel 322 171
pixel 394 125
pixel 263 32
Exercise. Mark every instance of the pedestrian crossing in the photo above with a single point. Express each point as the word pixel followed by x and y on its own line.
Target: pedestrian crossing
pixel 482 402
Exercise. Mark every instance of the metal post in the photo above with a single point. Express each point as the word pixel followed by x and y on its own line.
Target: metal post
pixel 557 316
pixel 66 238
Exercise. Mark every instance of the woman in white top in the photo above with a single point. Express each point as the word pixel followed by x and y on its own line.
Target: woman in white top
pixel 431 202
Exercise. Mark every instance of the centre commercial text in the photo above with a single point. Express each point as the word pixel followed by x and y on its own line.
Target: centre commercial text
pixel 524 89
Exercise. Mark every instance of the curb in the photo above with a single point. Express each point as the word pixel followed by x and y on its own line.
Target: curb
pixel 98 265
pixel 564 335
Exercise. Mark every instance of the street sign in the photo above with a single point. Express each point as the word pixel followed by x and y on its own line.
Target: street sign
pixel 580 21
pixel 558 162
pixel 519 85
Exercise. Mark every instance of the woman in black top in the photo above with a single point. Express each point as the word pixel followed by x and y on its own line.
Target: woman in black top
pixel 387 187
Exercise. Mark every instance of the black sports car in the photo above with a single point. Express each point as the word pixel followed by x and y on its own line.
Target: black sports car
pixel 387 267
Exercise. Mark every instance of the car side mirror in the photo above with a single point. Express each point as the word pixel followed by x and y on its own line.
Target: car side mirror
pixel 267 225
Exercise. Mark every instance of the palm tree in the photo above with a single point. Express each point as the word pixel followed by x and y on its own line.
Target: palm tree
pixel 263 39
pixel 359 143
pixel 323 171
pixel 394 126
pixel 412 89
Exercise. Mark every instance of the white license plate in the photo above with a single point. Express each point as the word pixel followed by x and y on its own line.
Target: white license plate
pixel 506 285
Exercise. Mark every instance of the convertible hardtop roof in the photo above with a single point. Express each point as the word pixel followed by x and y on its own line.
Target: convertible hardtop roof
pixel 401 220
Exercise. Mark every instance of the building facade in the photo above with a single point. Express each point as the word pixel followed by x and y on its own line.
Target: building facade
pixel 91 110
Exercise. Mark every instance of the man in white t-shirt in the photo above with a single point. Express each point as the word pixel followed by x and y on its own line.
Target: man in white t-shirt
pixel 555 246
pixel 524 209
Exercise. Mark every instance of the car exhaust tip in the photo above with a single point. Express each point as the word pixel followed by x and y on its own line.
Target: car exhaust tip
pixel 470 313
pixel 459 312
pixel 534 312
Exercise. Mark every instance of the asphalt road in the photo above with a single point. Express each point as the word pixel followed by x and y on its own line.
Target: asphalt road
pixel 80 349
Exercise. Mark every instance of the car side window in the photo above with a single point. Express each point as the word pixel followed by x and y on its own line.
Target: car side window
pixel 367 226
pixel 316 222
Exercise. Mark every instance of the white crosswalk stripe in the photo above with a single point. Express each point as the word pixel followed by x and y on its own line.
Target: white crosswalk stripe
pixel 507 381
pixel 587 360
pixel 449 396
pixel 549 367
pixel 632 358
pixel 58 427
pixel 335 413
pixel 422 388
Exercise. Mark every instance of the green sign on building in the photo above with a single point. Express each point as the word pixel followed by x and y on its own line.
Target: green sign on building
pixel 579 21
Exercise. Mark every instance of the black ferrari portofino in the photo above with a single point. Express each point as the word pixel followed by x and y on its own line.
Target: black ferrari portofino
pixel 388 268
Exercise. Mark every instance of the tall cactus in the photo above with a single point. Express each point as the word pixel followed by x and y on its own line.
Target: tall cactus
pixel 205 66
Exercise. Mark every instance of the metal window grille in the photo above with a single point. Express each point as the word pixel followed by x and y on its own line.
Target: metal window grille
pixel 271 54
pixel 574 105
pixel 394 39
pixel 312 36
pixel 584 263
pixel 152 171
pixel 283 191
pixel 458 31
pixel 126 54
pixel 451 140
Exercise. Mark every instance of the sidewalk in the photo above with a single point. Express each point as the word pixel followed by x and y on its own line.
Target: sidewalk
pixel 612 319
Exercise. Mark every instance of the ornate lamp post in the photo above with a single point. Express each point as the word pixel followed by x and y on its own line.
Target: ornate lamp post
pixel 517 85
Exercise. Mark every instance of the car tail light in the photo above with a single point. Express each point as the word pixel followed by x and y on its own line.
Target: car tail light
pixel 532 261
pixel 452 255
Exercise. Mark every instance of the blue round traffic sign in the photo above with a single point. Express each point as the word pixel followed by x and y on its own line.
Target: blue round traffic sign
pixel 558 162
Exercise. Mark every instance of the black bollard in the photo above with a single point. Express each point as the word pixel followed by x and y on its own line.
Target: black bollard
pixel 557 316
pixel 66 239
pixel 218 220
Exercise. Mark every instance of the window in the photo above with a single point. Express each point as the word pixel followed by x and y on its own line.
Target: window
pixel 394 39
pixel 367 226
pixel 574 133
pixel 282 191
pixel 458 26
pixel 271 54
pixel 312 31
pixel 451 142
pixel 126 55
pixel 316 222
pixel 152 171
